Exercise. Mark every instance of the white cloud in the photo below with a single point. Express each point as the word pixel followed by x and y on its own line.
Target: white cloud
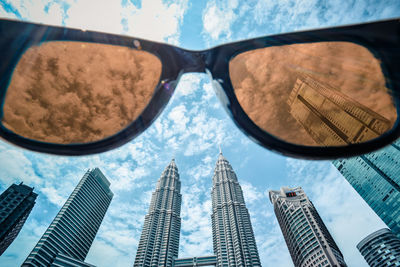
pixel 17 167
pixel 188 84
pixel 155 20
pixel 218 17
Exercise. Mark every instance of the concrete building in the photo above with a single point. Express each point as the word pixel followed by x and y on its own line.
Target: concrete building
pixel 16 204
pixel 159 241
pixel 376 178
pixel 332 118
pixel 73 230
pixel 381 248
pixel 233 238
pixel 308 240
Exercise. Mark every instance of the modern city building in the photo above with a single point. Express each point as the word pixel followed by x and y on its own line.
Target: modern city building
pixel 381 248
pixel 16 204
pixel 196 261
pixel 308 240
pixel 376 178
pixel 332 118
pixel 159 241
pixel 233 238
pixel 73 230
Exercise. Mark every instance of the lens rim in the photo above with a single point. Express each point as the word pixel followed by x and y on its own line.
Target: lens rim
pixel 17 37
pixel 380 38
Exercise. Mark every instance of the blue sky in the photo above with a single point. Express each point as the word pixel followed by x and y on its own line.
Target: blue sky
pixel 190 129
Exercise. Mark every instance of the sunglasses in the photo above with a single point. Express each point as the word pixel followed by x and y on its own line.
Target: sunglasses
pixel 317 94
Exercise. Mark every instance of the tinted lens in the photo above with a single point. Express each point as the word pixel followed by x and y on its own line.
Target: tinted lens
pixel 74 92
pixel 316 94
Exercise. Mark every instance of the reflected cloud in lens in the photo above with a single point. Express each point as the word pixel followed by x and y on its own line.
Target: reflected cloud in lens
pixel 74 92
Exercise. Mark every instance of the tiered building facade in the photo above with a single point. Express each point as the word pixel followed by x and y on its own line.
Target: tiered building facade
pixel 233 238
pixel 159 242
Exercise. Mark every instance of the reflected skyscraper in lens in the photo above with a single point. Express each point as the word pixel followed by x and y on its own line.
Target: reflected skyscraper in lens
pixel 233 237
pixel 308 240
pixel 16 204
pixel 330 117
pixel 376 177
pixel 159 242
pixel 68 239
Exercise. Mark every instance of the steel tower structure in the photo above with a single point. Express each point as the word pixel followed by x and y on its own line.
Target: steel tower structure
pixel 159 242
pixel 233 238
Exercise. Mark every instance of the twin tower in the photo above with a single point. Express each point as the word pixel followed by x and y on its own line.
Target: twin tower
pixel 233 238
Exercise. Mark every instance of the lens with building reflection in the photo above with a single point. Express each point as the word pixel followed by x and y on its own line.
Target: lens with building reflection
pixel 316 94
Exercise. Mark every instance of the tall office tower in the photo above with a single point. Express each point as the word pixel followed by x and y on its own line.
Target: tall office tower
pixel 73 230
pixel 15 205
pixel 376 177
pixel 381 248
pixel 332 118
pixel 159 242
pixel 233 238
pixel 308 239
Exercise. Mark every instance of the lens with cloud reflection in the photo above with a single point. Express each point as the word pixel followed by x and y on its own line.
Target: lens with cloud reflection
pixel 316 94
pixel 75 92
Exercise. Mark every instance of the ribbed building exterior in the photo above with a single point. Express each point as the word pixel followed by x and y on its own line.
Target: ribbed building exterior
pixel 308 240
pixel 233 238
pixel 381 248
pixel 73 230
pixel 16 204
pixel 332 118
pixel 376 178
pixel 159 241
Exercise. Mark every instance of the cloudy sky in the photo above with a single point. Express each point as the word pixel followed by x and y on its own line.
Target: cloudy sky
pixel 190 129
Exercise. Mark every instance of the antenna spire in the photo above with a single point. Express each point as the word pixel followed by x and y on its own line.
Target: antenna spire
pixel 220 150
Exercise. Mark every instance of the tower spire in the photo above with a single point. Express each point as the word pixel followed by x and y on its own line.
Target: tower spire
pixel 220 150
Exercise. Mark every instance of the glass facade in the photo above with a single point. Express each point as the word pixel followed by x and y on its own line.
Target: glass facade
pixel 376 177
pixel 16 204
pixel 74 228
pixel 381 248
pixel 308 240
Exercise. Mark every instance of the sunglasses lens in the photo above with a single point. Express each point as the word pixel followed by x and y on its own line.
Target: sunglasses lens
pixel 315 94
pixel 75 92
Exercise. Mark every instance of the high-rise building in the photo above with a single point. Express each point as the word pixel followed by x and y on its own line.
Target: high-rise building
pixel 233 238
pixel 73 230
pixel 376 177
pixel 332 118
pixel 308 240
pixel 381 248
pixel 159 242
pixel 16 204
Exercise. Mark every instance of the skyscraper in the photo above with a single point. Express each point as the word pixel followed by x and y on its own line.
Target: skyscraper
pixel 233 238
pixel 159 242
pixel 16 204
pixel 332 118
pixel 381 248
pixel 308 240
pixel 376 177
pixel 73 230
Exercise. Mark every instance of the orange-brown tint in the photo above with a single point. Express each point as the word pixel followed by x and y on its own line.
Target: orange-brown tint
pixel 316 94
pixel 75 92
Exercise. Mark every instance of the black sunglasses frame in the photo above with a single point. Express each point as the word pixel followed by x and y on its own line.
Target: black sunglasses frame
pixel 381 38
